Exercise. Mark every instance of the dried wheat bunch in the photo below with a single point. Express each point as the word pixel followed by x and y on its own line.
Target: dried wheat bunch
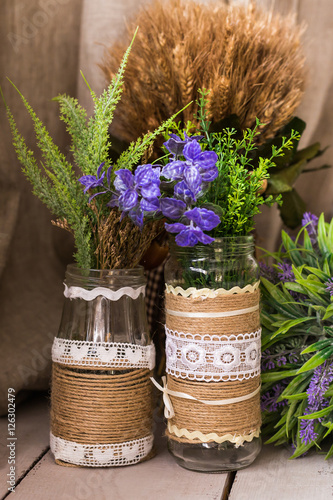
pixel 251 60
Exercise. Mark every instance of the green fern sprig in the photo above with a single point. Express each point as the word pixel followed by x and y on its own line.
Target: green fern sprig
pixel 54 180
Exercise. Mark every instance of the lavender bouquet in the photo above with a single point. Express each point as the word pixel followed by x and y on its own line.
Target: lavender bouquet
pixel 297 341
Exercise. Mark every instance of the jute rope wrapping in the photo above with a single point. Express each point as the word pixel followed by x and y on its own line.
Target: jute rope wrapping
pixel 193 421
pixel 100 408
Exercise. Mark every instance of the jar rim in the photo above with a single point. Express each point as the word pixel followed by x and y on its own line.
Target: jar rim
pixel 79 272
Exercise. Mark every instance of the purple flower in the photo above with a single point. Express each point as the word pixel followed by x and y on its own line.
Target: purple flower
pixel 205 219
pixel 286 273
pixel 266 361
pixel 189 235
pixel 329 286
pixel 268 272
pixel 310 222
pixel 198 168
pixel 92 181
pixel 322 377
pixel 307 432
pixel 200 219
pixel 172 208
pixel 281 360
pixel 176 145
pixel 269 399
pixel 137 193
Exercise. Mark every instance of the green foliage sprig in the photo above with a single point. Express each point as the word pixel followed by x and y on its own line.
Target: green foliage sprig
pixel 54 180
pixel 297 341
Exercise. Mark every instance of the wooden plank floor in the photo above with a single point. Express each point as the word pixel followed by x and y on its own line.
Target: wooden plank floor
pixel 271 477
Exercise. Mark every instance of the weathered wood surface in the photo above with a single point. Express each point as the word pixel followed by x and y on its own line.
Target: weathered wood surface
pixel 158 479
pixel 273 477
pixel 32 433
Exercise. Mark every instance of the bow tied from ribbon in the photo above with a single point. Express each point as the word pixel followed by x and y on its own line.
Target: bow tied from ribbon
pixel 168 408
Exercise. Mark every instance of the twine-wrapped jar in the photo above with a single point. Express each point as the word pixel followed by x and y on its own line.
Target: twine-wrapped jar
pixel 101 399
pixel 213 355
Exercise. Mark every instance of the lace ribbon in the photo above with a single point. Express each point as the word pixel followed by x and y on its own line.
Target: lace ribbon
pixel 76 292
pixel 103 354
pixel 168 408
pixel 212 358
pixel 209 293
pixel 238 440
pixel 101 455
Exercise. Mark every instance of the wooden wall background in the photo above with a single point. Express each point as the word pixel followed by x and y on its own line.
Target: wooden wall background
pixel 44 44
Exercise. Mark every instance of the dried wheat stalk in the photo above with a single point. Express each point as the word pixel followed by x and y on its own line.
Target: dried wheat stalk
pixel 251 60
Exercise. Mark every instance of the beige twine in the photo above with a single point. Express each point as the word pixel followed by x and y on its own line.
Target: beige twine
pixel 238 419
pixel 100 408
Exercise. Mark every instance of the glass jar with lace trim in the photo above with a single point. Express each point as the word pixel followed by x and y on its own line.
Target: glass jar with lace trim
pixel 101 401
pixel 212 388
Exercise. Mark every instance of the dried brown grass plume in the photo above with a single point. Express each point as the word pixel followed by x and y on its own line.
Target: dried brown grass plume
pixel 251 60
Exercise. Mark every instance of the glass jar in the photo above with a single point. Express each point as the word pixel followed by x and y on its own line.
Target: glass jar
pixel 224 264
pixel 101 319
pixel 101 398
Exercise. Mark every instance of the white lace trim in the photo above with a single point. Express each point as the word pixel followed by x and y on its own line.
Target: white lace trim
pixel 76 292
pixel 101 455
pixel 213 358
pixel 205 293
pixel 103 354
pixel 212 436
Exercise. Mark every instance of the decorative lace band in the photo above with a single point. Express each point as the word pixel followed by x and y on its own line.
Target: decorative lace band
pixel 76 292
pixel 101 455
pixel 168 408
pixel 102 354
pixel 212 436
pixel 194 293
pixel 213 358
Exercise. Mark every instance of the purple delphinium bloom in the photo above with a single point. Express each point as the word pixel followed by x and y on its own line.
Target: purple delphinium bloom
pixel 269 399
pixel 322 377
pixel 137 193
pixel 198 168
pixel 200 219
pixel 329 286
pixel 94 181
pixel 310 222
pixel 175 144
pixel 281 360
pixel 286 273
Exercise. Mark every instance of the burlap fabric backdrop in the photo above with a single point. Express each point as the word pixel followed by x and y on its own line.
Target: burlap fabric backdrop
pixel 44 43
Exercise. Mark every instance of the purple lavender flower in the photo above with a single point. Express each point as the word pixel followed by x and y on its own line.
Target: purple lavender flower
pixel 286 273
pixel 198 168
pixel 310 222
pixel 281 360
pixel 175 144
pixel 307 432
pixel 269 399
pixel 92 181
pixel 322 377
pixel 329 286
pixel 268 272
pixel 266 361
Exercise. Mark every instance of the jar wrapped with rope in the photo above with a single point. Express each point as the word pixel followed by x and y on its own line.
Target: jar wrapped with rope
pixel 212 390
pixel 101 402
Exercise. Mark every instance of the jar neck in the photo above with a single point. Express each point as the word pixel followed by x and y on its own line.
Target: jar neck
pixel 220 248
pixel 110 278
